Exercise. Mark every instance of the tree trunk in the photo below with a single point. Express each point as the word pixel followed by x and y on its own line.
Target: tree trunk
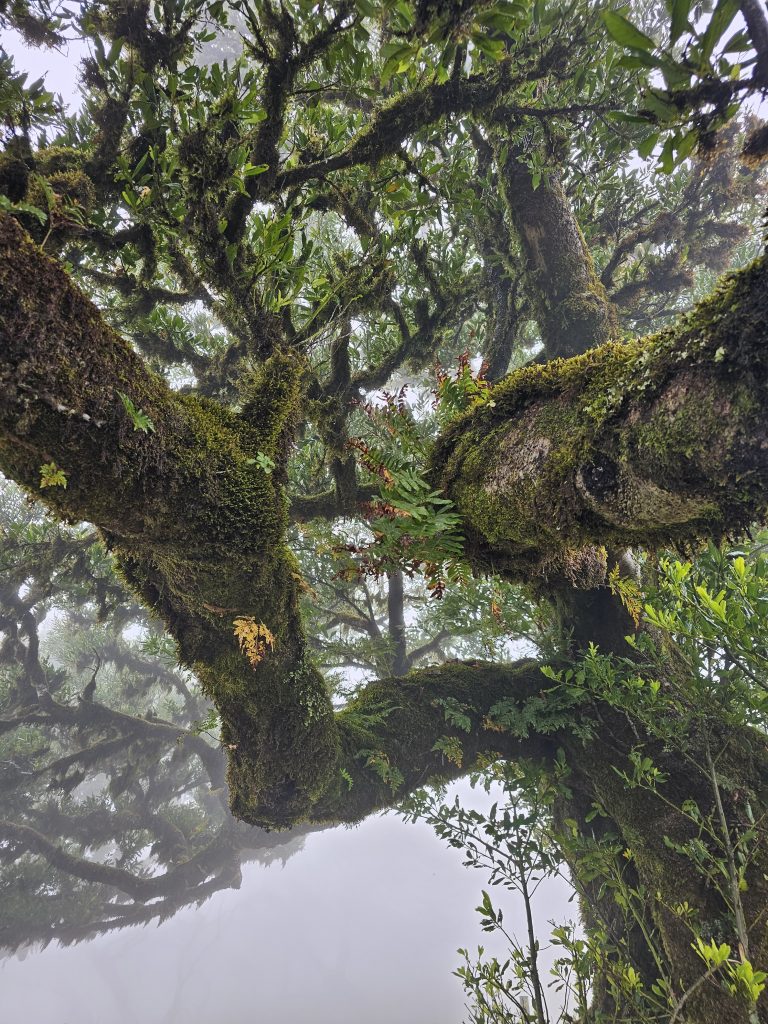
pixel 634 829
pixel 396 621
pixel 571 304
pixel 647 443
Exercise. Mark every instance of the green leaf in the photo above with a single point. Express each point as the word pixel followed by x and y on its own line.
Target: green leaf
pixel 687 144
pixel 263 461
pixel 640 59
pixel 34 211
pixel 138 417
pixel 722 16
pixel 253 116
pixel 738 43
pixel 645 148
pixel 250 170
pixel 678 10
pixel 625 33
pixel 667 157
pixel 661 108
pixel 675 75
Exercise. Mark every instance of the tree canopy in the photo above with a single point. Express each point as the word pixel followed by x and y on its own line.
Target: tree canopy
pixel 380 336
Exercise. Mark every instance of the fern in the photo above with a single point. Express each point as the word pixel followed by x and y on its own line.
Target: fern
pixel 380 763
pixel 415 527
pixel 52 476
pixel 451 749
pixel 255 639
pixel 138 417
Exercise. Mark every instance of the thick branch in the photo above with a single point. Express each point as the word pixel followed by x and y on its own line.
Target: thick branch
pixel 570 303
pixel 197 526
pixel 654 442
pixel 398 120
pixel 389 731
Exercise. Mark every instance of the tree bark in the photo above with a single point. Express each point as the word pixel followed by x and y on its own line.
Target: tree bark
pixel 196 525
pixel 570 302
pixel 654 442
pixel 396 621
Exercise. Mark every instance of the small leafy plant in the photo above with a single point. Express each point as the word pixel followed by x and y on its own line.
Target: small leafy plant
pixel 52 476
pixel 264 463
pixel 138 417
pixel 255 639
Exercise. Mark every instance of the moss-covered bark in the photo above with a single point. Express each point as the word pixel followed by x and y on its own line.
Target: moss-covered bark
pixel 197 526
pixel 657 441
pixel 571 305
pixel 610 447
pixel 198 529
pixel 388 733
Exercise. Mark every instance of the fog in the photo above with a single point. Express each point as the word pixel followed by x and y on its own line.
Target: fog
pixel 361 925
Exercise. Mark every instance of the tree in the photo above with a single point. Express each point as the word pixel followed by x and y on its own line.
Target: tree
pixel 94 836
pixel 710 616
pixel 204 272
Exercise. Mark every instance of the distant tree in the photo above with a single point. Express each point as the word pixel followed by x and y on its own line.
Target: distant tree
pixel 208 274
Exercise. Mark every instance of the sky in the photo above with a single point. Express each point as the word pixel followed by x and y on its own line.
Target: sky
pixel 362 924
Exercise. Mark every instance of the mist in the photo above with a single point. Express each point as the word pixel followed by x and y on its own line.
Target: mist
pixel 360 924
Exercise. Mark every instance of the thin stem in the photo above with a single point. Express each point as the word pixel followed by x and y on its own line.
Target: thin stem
pixel 733 878
pixel 533 949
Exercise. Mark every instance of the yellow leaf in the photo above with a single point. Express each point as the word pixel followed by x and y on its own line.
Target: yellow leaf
pixel 254 637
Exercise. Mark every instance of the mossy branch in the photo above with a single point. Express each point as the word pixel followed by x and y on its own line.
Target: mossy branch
pixel 659 441
pixel 390 733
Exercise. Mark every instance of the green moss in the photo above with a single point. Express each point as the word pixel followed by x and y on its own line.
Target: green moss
pixel 281 738
pixel 198 527
pixel 271 397
pixel 74 187
pixel 58 160
pixel 618 445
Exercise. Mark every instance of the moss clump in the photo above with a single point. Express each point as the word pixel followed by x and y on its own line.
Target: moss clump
pixel 281 738
pixel 14 177
pixel 58 160
pixel 73 187
pixel 271 397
